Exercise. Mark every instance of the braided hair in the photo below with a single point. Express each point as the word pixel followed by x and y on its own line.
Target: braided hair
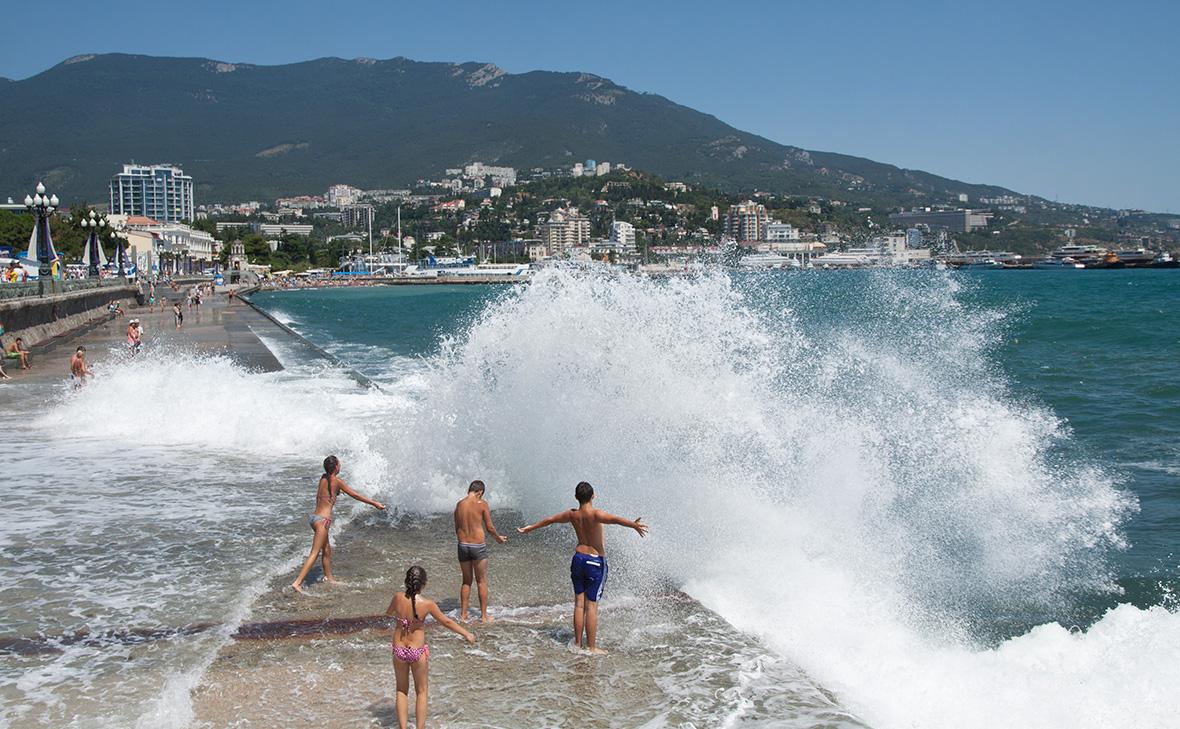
pixel 415 581
pixel 331 463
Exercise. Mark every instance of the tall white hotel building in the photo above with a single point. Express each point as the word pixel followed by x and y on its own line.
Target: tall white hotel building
pixel 161 192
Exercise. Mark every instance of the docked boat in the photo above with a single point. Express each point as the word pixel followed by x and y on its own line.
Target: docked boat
pixel 769 260
pixel 984 264
pixel 1108 259
pixel 983 259
pixel 1056 264
pixel 1136 257
pixel 467 269
pixel 1080 253
pixel 1165 260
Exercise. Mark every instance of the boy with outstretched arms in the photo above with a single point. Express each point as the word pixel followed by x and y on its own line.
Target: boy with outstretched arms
pixel 472 516
pixel 588 570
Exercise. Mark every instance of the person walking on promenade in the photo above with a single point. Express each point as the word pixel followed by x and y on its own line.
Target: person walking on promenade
pixel 134 337
pixel 588 570
pixel 78 369
pixel 330 486
pixel 472 517
pixel 411 655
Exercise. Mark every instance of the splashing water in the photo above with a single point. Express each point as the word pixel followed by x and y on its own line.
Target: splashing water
pixel 864 496
pixel 841 473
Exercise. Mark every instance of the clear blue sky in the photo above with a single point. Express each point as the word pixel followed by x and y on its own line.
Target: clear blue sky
pixel 1078 101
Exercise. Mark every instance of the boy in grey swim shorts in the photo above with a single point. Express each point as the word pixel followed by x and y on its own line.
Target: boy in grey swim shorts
pixel 472 517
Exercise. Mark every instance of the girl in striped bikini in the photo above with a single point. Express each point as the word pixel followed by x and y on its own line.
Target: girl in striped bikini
pixel 411 655
pixel 329 487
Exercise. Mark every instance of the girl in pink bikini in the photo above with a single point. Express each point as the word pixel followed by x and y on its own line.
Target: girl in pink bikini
pixel 409 610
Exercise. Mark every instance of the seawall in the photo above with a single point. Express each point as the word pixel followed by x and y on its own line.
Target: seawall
pixel 40 319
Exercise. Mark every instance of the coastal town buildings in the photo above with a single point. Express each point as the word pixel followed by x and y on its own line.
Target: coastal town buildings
pixel 151 241
pixel 161 192
pixel 356 216
pixel 956 221
pixel 777 232
pixel 565 229
pixel 300 202
pixel 622 235
pixel 341 195
pixel 746 221
pixel 501 176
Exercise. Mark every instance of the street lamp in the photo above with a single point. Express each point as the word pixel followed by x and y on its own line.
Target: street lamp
pixel 42 206
pixel 120 249
pixel 91 224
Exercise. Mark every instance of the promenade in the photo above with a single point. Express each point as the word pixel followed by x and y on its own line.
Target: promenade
pixel 217 326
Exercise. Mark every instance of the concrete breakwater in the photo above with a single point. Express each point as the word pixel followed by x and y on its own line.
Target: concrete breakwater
pixel 40 319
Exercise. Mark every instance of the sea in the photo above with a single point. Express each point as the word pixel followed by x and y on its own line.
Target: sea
pixel 889 499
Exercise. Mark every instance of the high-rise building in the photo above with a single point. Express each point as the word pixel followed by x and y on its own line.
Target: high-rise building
pixel 160 192
pixel 340 195
pixel 356 216
pixel 622 234
pixel 746 221
pixel 566 229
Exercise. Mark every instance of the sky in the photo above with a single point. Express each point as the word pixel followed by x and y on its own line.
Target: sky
pixel 1075 101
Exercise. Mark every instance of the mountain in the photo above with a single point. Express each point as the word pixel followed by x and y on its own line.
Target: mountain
pixel 247 131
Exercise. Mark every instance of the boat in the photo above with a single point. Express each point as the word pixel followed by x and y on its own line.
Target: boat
pixel 1053 264
pixel 1108 259
pixel 769 260
pixel 982 259
pixel 384 263
pixel 1165 260
pixel 986 264
pixel 1081 253
pixel 466 269
pixel 1136 257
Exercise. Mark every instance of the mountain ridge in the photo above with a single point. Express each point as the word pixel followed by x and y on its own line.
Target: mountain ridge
pixel 248 130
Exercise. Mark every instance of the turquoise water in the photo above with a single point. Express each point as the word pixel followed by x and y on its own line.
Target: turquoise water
pixel 1098 349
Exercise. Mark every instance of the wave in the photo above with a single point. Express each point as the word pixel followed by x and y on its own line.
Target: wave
pixel 840 471
pixel 845 476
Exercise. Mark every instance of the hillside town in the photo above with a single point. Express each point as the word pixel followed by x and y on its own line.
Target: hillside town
pixel 591 212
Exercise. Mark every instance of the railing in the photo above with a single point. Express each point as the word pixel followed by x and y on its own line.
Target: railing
pixel 25 289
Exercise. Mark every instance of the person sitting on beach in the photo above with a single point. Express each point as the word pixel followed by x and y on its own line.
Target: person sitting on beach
pixel 78 369
pixel 17 350
pixel 411 654
pixel 472 516
pixel 588 570
pixel 329 488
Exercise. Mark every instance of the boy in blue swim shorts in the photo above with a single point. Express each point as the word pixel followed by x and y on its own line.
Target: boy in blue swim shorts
pixel 588 570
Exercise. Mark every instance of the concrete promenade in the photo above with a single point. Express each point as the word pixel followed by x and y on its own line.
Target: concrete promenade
pixel 217 326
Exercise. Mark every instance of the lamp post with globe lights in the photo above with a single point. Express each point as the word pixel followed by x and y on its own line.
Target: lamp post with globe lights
pixel 92 224
pixel 120 248
pixel 42 205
